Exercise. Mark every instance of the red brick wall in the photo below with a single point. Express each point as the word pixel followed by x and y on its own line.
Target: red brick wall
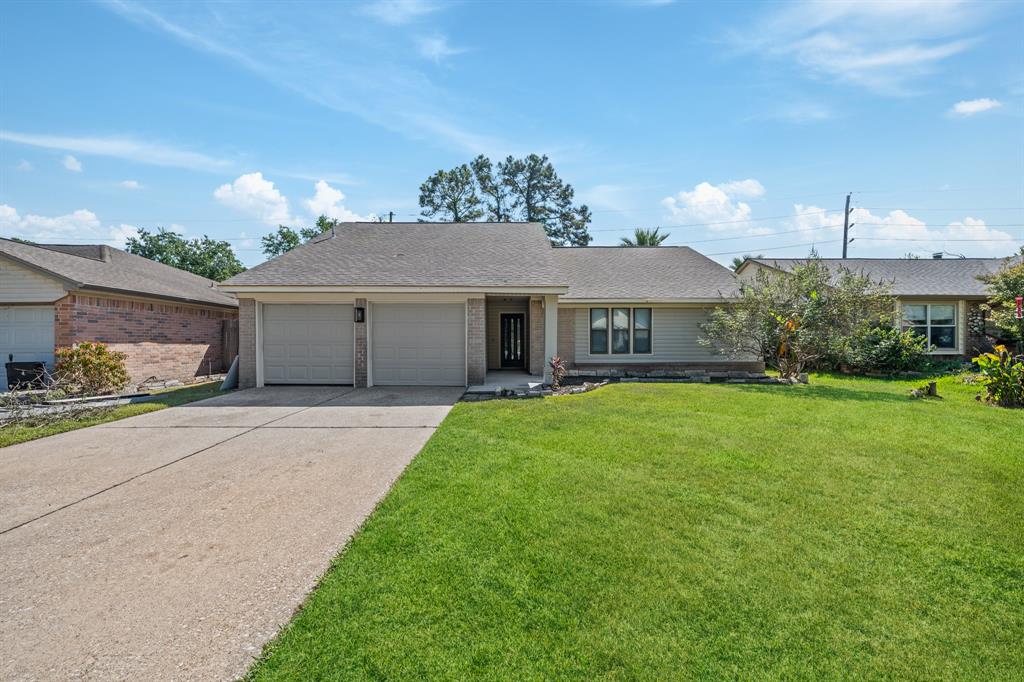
pixel 162 339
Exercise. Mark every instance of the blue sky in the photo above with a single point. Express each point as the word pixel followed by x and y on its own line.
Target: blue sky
pixel 736 127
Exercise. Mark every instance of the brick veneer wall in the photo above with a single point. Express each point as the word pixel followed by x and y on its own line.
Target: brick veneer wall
pixel 246 343
pixel 476 341
pixel 567 336
pixel 536 323
pixel 162 339
pixel 361 363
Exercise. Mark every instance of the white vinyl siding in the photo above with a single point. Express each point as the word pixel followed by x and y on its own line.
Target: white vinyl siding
pixel 19 284
pixel 674 338
pixel 307 344
pixel 26 333
pixel 418 344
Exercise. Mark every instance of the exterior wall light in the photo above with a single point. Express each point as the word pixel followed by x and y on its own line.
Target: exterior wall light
pixel 360 314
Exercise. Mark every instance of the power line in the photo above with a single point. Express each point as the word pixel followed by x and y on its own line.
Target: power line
pixel 932 239
pixel 775 248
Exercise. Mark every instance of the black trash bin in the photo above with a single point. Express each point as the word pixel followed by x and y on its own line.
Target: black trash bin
pixel 25 375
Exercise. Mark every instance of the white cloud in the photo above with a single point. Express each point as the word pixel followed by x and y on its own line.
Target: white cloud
pixel 880 45
pixel 748 188
pixel 119 235
pixel 75 227
pixel 436 48
pixel 397 12
pixel 327 201
pixel 708 203
pixel 970 107
pixel 24 166
pixel 130 184
pixel 256 196
pixel 122 148
pixel 892 233
pixel 72 164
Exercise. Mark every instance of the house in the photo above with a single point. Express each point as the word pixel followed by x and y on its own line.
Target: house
pixel 940 298
pixel 446 303
pixel 169 322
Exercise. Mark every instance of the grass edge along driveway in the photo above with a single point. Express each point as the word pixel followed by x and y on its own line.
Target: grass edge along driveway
pixel 11 435
pixel 687 531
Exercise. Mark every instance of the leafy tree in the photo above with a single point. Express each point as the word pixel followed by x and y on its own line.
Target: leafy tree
pixel 642 237
pixel 204 256
pixel 451 196
pixel 1003 288
pixel 737 261
pixel 526 189
pixel 792 320
pixel 285 238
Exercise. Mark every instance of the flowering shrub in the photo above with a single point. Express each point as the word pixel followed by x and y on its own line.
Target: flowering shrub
pixel 91 369
pixel 1002 376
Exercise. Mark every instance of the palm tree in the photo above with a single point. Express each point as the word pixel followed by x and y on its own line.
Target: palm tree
pixel 737 261
pixel 642 237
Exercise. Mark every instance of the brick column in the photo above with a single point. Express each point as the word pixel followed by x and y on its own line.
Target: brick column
pixel 536 336
pixel 550 334
pixel 361 374
pixel 246 343
pixel 476 341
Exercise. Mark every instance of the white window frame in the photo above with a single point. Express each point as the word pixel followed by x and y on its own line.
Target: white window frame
pixel 609 312
pixel 904 325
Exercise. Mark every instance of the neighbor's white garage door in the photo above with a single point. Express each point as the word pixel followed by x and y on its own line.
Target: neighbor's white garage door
pixel 307 344
pixel 26 333
pixel 422 344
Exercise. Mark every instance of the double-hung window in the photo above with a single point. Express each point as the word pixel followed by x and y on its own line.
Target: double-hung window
pixel 934 321
pixel 620 331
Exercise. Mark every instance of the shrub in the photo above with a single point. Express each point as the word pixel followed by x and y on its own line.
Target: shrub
pixel 886 349
pixel 1003 288
pixel 1002 376
pixel 91 369
pixel 797 319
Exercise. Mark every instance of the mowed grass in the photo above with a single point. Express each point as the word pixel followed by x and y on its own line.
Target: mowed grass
pixel 10 435
pixel 642 531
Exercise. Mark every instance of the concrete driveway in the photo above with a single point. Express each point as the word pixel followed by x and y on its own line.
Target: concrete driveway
pixel 173 545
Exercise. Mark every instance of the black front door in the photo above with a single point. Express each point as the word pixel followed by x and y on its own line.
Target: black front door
pixel 513 340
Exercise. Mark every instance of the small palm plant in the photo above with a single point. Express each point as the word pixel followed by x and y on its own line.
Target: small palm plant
pixel 642 237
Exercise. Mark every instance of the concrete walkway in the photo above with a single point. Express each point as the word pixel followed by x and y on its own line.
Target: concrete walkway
pixel 173 545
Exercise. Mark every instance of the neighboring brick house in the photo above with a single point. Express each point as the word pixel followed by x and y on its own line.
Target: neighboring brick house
pixel 170 323
pixel 455 304
pixel 940 298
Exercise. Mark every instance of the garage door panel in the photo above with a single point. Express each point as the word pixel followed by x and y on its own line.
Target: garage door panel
pixel 26 333
pixel 419 344
pixel 307 344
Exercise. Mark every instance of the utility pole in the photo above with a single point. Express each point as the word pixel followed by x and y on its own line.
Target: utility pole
pixel 846 225
pixel 391 215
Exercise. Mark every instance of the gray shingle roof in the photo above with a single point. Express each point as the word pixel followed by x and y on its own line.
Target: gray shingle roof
pixel 416 254
pixel 94 266
pixel 957 277
pixel 668 273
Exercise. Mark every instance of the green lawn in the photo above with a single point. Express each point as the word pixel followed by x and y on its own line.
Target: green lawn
pixel 9 435
pixel 837 530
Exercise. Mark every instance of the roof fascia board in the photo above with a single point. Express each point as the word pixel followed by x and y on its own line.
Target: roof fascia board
pixel 634 301
pixel 129 293
pixel 378 289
